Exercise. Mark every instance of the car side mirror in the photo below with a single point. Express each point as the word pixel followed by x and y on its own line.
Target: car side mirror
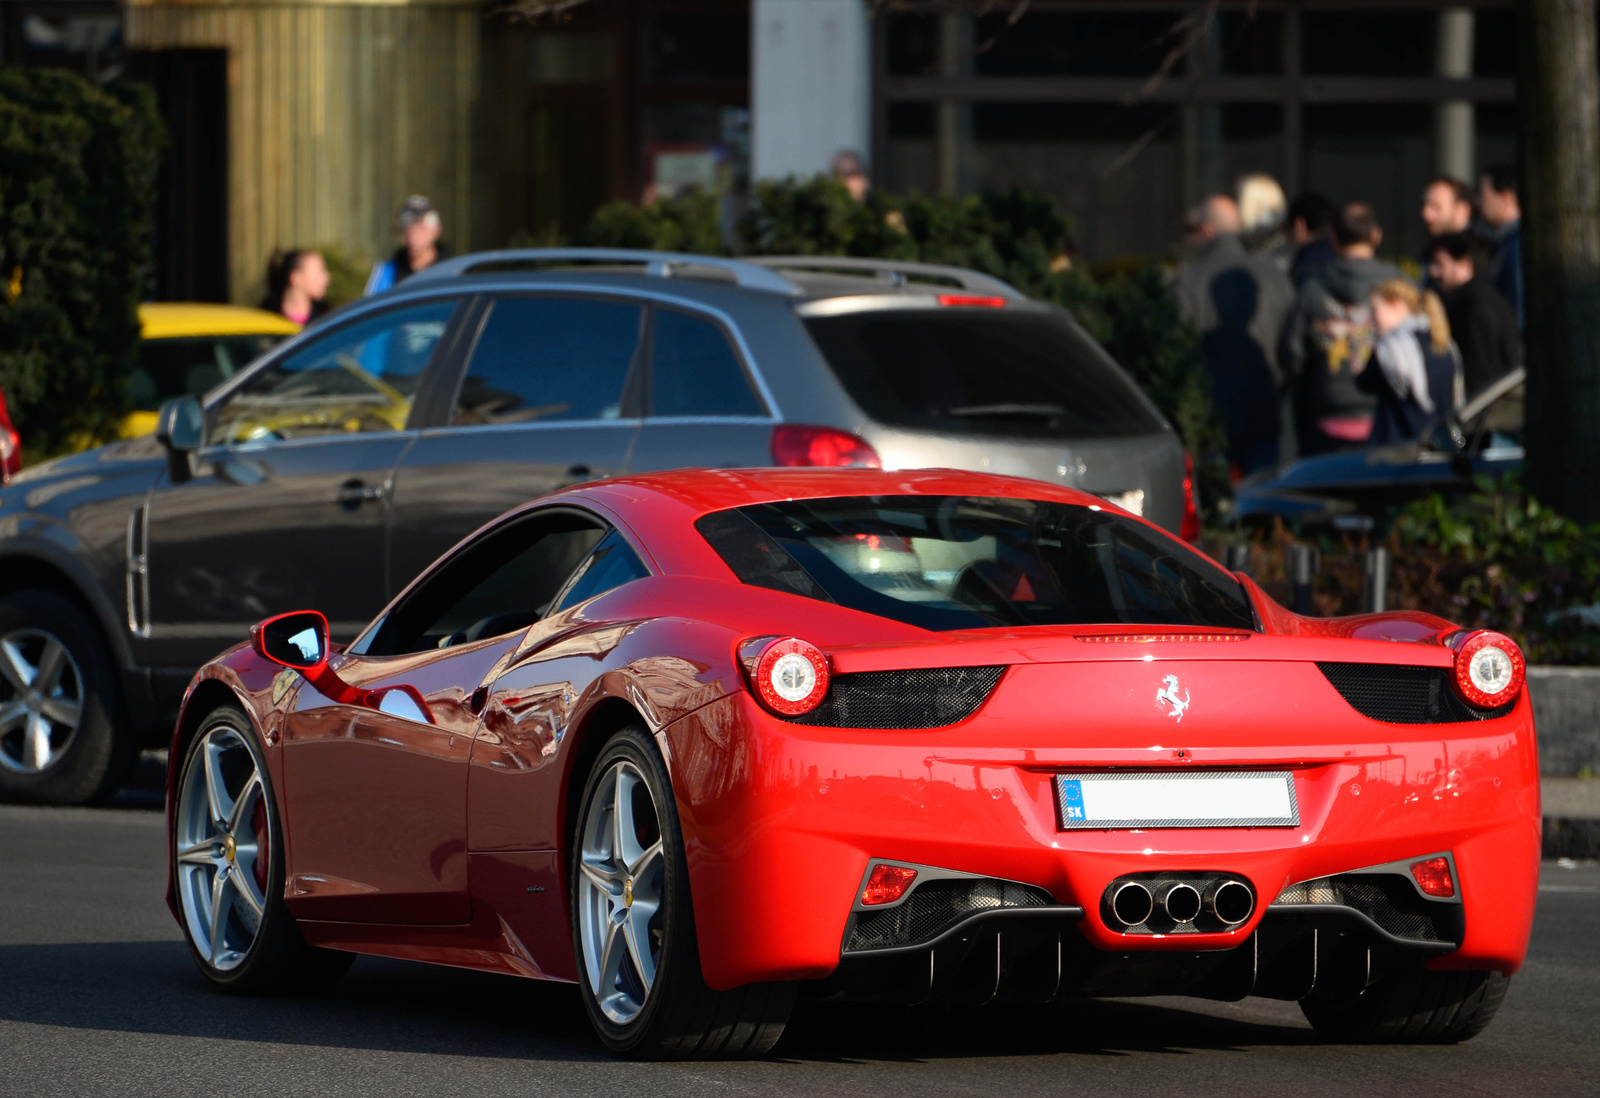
pixel 181 428
pixel 298 640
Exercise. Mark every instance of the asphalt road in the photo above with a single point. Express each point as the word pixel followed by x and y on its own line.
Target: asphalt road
pixel 98 996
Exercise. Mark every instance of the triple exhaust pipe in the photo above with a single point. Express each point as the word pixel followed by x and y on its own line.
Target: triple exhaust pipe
pixel 1226 900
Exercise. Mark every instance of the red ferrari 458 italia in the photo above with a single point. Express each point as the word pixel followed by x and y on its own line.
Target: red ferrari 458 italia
pixel 702 741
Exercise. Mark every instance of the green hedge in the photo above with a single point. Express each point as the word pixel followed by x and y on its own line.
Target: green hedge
pixel 77 195
pixel 1018 236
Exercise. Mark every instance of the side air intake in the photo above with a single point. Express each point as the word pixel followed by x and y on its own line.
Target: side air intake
pixel 1404 695
pixel 923 698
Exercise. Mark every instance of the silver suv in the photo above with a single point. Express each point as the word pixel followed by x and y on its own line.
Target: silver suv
pixel 330 471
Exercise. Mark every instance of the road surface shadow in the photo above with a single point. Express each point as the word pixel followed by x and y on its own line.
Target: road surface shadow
pixel 383 1005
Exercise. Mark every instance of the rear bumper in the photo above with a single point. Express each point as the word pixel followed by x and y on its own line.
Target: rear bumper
pixel 780 821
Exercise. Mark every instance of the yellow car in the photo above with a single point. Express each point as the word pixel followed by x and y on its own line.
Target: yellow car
pixel 187 348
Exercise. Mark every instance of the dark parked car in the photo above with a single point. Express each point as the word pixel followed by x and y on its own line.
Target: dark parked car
pixel 330 471
pixel 1360 490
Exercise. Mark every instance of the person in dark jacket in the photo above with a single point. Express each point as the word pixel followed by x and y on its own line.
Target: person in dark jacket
pixel 1311 231
pixel 1502 212
pixel 1237 302
pixel 1481 320
pixel 1328 337
pixel 1415 369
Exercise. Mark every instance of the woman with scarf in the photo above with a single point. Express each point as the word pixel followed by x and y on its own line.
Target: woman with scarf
pixel 1415 369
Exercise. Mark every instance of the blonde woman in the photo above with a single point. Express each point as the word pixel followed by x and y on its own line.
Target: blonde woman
pixel 1415 369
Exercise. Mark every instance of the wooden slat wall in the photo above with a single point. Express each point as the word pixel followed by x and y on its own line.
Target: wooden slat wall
pixel 336 112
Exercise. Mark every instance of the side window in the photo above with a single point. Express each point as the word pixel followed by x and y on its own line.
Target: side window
pixel 501 584
pixel 546 359
pixel 612 564
pixel 172 367
pixel 695 372
pixel 359 377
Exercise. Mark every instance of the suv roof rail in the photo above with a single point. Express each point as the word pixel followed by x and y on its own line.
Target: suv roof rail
pixel 657 264
pixel 893 270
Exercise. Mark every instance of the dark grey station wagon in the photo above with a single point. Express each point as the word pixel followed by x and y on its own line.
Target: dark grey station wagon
pixel 329 472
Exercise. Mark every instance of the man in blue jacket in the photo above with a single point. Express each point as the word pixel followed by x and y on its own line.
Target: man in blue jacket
pixel 1497 201
pixel 419 227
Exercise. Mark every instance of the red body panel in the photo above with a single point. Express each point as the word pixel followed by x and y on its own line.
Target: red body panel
pixel 447 842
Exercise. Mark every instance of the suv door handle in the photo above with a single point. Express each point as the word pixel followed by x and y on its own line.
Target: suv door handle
pixel 353 493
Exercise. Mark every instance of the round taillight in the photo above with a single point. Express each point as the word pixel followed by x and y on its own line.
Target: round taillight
pixel 791 676
pixel 1489 669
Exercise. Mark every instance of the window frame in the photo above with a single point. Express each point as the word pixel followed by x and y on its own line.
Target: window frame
pixel 740 356
pixel 422 405
pixel 606 525
pixel 455 368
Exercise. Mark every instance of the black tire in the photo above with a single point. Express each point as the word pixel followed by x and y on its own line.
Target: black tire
pixel 681 1018
pixel 278 960
pixel 101 751
pixel 1414 1007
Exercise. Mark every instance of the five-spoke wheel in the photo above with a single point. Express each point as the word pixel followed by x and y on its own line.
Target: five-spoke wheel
pixel 41 700
pixel 633 922
pixel 619 892
pixel 228 868
pixel 224 842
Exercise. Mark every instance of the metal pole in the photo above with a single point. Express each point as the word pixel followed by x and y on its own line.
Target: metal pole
pixel 1375 591
pixel 1304 563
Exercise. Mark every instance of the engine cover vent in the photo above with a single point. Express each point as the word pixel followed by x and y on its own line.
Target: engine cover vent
pixel 1404 695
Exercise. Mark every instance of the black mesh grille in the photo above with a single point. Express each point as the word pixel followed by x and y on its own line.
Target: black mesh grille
pixel 933 906
pixel 1404 695
pixel 1387 900
pixel 927 698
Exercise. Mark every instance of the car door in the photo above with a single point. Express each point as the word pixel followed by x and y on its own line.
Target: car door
pixel 548 397
pixel 704 408
pixel 377 802
pixel 286 505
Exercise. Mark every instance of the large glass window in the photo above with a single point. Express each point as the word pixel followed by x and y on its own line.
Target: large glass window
pixel 1000 372
pixel 695 372
pixel 501 584
pixel 547 359
pixel 971 562
pixel 360 377
pixel 190 366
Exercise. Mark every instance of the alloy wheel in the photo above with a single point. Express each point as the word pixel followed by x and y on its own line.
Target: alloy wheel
pixel 41 700
pixel 223 847
pixel 620 884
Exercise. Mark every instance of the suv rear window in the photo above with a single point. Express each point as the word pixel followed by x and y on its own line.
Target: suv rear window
pixel 973 562
pixel 978 371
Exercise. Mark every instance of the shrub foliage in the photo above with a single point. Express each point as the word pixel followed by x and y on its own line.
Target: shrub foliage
pixel 77 194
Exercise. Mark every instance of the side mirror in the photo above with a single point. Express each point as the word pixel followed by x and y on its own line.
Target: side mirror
pixel 298 640
pixel 181 428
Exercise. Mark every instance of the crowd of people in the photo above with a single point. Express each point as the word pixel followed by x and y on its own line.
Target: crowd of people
pixel 1315 344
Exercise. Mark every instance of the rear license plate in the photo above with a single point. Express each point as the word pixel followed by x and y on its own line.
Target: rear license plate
pixel 1195 799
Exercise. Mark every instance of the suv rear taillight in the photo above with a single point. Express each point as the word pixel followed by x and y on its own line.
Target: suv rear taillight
pixel 1490 669
pixel 1189 528
pixel 797 444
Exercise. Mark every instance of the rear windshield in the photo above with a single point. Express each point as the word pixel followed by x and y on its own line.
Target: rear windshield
pixel 973 562
pixel 979 371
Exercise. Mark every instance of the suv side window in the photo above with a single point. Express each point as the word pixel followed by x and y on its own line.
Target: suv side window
pixel 501 584
pixel 694 370
pixel 546 359
pixel 360 377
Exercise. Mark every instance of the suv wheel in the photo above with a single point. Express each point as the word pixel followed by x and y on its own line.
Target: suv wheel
pixel 63 739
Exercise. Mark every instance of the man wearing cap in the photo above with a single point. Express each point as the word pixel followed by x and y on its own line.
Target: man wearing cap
pixel 419 227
